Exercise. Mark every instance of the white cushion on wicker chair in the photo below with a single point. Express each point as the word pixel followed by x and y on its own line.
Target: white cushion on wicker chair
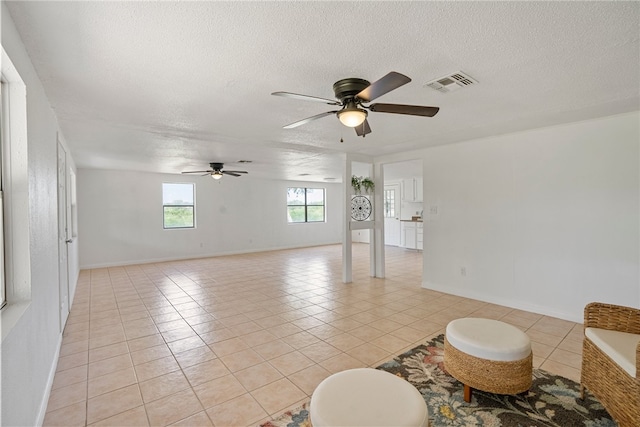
pixel 488 339
pixel 619 346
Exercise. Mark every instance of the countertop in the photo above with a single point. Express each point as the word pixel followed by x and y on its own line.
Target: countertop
pixel 410 220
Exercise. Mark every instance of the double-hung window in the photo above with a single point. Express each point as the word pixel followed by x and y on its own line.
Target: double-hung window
pixel 178 205
pixel 305 205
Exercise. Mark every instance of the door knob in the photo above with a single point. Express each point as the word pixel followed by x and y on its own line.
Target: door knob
pixel 69 241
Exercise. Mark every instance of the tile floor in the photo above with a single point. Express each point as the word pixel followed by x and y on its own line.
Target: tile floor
pixel 235 340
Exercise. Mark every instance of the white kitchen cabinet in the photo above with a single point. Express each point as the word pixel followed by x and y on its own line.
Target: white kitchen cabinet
pixel 411 237
pixel 412 190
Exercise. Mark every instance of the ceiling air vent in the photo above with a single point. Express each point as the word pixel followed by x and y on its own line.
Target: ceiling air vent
pixel 451 82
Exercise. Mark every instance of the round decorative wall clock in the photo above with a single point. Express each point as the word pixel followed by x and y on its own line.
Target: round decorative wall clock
pixel 360 208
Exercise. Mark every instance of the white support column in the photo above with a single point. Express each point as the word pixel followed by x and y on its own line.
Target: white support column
pixel 372 231
pixel 377 242
pixel 347 256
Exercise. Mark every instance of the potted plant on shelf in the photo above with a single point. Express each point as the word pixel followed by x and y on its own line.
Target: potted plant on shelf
pixel 360 183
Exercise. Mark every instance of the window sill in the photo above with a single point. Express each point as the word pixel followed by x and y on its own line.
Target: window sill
pixel 11 313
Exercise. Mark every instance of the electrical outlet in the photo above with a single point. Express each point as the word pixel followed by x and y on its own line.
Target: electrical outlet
pixel 463 271
pixel 433 210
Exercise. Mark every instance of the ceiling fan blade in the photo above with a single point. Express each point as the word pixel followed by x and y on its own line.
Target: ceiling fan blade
pixel 306 98
pixel 412 110
pixel 226 171
pixel 363 129
pixel 308 119
pixel 209 171
pixel 231 173
pixel 386 84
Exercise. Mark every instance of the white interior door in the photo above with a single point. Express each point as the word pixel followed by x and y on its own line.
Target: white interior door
pixel 391 201
pixel 63 265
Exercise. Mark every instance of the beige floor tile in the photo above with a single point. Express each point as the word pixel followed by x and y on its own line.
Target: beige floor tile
pixel 216 336
pixel 242 360
pixel 68 416
pixel 73 347
pixel 300 340
pixel 241 411
pixel 68 395
pixel 367 353
pixel 162 386
pixel 205 371
pixel 194 356
pixel 344 341
pixel 572 345
pixel 341 362
pixel 390 343
pixel 106 340
pixel 309 378
pixel 544 338
pixel 145 342
pixel 136 417
pixel 319 351
pixel 278 395
pixel 70 376
pixel 218 391
pixel 255 339
pixel 541 350
pixel 111 381
pixel 285 330
pixel 107 366
pixel 148 354
pixel 273 349
pixel 291 362
pixel 257 376
pixel 245 328
pixel 366 333
pixel 72 361
pixel 173 408
pixel 561 369
pixel 231 346
pixel 566 358
pixel 201 419
pixel 112 403
pixel 156 368
pixel 108 351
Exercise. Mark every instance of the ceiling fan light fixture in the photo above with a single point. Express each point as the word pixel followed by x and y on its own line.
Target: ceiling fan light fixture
pixel 216 175
pixel 352 116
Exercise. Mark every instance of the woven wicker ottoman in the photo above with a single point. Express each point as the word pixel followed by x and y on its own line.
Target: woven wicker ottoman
pixel 488 355
pixel 367 397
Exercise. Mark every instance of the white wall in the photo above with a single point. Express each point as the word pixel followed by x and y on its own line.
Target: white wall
pixel 120 218
pixel 30 345
pixel 545 220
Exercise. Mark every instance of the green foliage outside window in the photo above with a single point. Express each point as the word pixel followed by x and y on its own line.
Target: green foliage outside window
pixel 178 216
pixel 305 204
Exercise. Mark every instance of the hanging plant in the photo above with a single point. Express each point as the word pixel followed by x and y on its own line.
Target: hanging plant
pixel 360 183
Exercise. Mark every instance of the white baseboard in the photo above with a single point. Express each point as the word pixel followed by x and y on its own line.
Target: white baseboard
pixel 47 390
pixel 199 256
pixel 507 302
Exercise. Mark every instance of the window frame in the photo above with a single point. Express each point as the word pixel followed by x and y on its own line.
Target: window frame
pixel 3 140
pixel 306 206
pixel 389 203
pixel 171 205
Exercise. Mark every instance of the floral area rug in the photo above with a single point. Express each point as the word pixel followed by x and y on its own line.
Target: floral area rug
pixel 551 401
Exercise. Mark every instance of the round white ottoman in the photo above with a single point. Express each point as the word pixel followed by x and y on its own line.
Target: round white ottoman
pixel 488 355
pixel 367 397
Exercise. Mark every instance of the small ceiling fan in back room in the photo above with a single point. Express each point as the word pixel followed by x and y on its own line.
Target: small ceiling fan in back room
pixel 217 171
pixel 352 93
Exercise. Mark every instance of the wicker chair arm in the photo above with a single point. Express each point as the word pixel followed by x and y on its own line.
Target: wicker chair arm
pixel 638 364
pixel 612 317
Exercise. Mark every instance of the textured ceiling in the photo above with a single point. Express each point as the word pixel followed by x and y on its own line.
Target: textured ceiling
pixel 172 86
